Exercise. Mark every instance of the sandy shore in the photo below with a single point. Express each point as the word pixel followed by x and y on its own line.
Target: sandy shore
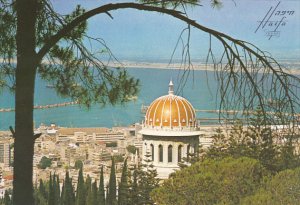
pixel 292 69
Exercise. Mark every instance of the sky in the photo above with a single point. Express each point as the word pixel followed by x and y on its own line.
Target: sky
pixel 148 36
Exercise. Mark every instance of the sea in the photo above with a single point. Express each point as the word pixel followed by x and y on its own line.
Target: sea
pixel 199 87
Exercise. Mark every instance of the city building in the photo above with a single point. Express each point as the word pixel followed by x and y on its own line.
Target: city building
pixel 170 132
pixel 5 153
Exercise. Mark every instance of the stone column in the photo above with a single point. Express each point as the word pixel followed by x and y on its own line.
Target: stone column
pixel 192 148
pixel 175 153
pixel 144 149
pixel 155 144
pixel 184 149
pixel 165 151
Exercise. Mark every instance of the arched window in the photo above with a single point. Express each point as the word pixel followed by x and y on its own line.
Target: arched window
pixel 179 153
pixel 152 151
pixel 160 153
pixel 170 153
pixel 188 152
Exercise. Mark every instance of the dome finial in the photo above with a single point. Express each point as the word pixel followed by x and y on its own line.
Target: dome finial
pixel 171 87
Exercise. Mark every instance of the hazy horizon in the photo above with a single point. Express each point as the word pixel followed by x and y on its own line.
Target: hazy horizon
pixel 135 35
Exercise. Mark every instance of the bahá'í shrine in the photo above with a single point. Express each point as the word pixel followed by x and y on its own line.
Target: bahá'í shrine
pixel 170 132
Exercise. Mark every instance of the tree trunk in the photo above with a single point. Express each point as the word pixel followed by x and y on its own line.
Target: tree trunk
pixel 25 80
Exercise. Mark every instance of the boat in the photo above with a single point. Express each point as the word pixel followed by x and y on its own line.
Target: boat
pixel 50 86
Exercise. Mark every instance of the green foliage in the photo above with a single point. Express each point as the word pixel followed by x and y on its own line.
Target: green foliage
pixel 123 191
pixel 44 162
pixel 8 27
pixel 94 194
pixel 111 144
pixel 141 181
pixel 51 199
pixel 224 181
pixel 6 200
pixel 75 70
pixel 101 191
pixel 78 164
pixel 81 190
pixel 54 190
pixel 134 188
pixel 283 188
pixel 257 141
pixel 147 180
pixel 219 146
pixel 68 196
pixel 42 189
pixel 172 4
pixel 118 158
pixel 134 195
pixel 112 188
pixel 41 194
pixel 131 149
pixel 89 192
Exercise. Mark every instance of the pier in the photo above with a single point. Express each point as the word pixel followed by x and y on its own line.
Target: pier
pixel 64 104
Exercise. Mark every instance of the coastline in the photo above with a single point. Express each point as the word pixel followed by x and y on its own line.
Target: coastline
pixel 291 69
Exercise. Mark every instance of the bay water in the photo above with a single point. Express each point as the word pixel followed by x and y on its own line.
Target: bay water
pixel 200 89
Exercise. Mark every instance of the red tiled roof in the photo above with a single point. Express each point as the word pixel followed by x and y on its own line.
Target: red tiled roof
pixel 8 177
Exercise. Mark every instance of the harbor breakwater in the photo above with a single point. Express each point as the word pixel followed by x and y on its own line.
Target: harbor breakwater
pixel 43 106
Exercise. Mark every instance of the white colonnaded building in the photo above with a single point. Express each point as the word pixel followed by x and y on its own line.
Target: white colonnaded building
pixel 170 132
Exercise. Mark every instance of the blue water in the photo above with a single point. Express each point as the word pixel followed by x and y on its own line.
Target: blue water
pixel 154 83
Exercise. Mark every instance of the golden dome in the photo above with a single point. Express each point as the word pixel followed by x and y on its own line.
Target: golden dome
pixel 170 111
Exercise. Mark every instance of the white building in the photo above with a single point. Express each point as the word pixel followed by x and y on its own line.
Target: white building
pixel 5 153
pixel 170 132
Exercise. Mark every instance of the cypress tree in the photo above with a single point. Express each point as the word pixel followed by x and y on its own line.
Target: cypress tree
pixel 268 151
pixel 40 194
pixel 101 191
pixel 7 200
pixel 112 194
pixel 147 182
pixel 95 193
pixel 123 193
pixel 42 189
pixel 88 191
pixel 68 197
pixel 89 198
pixel 80 193
pixel 57 190
pixel 88 182
pixel 92 195
pixel 134 194
pixel 51 199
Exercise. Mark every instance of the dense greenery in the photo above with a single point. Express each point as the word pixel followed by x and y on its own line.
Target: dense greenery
pixel 111 144
pixel 101 190
pixel 244 167
pixel 6 200
pixel 123 193
pixel 256 141
pixel 131 149
pixel 112 186
pixel 118 158
pixel 212 182
pixel 133 188
pixel 283 188
pixel 248 165
pixel 78 164
pixel 44 162
pixel 81 189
